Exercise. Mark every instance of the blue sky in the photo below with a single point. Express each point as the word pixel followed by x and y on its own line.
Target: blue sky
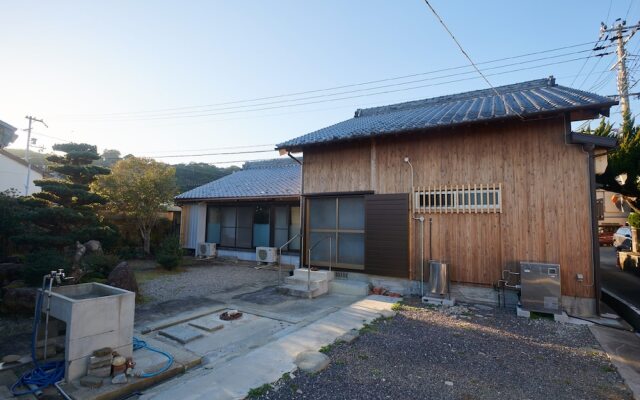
pixel 92 69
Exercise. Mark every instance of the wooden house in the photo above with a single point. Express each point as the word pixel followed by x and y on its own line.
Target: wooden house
pixel 498 172
pixel 258 206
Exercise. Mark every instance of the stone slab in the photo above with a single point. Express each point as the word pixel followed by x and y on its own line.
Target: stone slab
pixel 312 362
pixel 180 333
pixel 91 382
pixel 350 336
pixel 209 323
pixel 234 378
pixel 100 372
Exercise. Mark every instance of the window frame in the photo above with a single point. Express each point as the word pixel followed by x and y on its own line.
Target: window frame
pixel 456 199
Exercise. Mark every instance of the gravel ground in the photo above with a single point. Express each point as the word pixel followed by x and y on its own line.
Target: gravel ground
pixel 204 280
pixel 462 353
pixel 15 335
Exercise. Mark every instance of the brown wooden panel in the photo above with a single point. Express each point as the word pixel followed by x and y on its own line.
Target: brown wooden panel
pixel 386 238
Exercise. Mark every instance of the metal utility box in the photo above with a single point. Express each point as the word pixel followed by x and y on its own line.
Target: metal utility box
pixel 540 287
pixel 438 277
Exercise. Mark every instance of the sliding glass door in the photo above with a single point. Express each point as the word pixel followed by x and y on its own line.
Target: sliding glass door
pixel 336 231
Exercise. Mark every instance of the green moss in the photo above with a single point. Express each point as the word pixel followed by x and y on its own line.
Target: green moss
pixel 259 391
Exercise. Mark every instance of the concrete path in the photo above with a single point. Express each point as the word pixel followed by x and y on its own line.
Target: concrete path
pixel 623 349
pixel 234 379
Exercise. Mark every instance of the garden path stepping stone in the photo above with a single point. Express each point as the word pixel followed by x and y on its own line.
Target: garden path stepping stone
pixel 182 334
pixel 208 323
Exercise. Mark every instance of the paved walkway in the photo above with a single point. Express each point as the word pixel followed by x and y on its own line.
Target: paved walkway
pixel 623 349
pixel 234 379
pixel 625 285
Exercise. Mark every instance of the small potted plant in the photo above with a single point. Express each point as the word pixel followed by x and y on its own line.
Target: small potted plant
pixel 634 222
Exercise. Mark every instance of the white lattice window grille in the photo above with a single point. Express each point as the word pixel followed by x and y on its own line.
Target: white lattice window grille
pixel 455 199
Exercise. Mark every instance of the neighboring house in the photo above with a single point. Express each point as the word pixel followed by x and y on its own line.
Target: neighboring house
pixel 612 211
pixel 502 178
pixel 256 206
pixel 7 134
pixel 13 174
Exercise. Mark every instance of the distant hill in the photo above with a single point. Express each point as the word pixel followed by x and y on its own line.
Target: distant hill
pixel 192 175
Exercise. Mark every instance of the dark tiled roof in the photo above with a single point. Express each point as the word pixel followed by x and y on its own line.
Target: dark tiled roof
pixel 526 98
pixel 269 178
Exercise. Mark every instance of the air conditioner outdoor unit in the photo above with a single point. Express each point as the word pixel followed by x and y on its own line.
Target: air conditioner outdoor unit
pixel 206 250
pixel 266 254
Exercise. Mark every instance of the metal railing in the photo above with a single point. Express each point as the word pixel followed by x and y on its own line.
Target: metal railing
pixel 309 259
pixel 280 256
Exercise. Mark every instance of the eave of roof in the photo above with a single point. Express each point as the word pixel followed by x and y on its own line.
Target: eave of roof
pixel 21 161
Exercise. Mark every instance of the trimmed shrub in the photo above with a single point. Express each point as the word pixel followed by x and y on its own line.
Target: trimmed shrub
pixel 634 219
pixel 40 263
pixel 170 253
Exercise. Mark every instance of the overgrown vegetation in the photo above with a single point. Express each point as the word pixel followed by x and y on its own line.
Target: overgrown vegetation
pixel 40 263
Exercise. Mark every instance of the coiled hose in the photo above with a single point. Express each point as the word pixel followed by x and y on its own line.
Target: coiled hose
pixel 141 344
pixel 43 375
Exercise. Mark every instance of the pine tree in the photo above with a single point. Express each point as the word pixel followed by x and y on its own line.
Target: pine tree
pixel 65 210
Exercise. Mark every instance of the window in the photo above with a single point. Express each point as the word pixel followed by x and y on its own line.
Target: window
pixel 458 199
pixel 253 226
pixel 336 231
pixel 261 219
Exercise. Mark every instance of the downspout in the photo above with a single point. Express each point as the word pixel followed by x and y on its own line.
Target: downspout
pixel 302 211
pixel 595 244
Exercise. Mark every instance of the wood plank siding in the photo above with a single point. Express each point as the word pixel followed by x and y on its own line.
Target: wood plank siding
pixel 544 183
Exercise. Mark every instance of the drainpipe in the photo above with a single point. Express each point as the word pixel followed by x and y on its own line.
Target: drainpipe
pixel 595 244
pixel 302 211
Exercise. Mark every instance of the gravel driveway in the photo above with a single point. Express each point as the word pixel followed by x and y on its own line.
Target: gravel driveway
pixel 204 280
pixel 462 353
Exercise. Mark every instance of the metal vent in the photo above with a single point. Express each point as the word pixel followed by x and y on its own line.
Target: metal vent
pixel 342 275
pixel 541 289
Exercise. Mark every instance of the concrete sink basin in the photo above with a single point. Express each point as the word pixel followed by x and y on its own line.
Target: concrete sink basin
pixel 96 316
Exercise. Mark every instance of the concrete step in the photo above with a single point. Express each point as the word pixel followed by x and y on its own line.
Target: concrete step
pixel 350 287
pixel 301 273
pixel 300 290
pixel 321 284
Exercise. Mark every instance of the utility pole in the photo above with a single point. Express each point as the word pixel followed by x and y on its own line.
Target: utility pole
pixel 622 34
pixel 26 154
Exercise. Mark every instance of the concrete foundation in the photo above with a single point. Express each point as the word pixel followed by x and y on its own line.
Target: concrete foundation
pixel 287 259
pixel 97 316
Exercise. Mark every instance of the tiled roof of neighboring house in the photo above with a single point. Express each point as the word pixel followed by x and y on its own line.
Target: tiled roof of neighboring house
pixel 268 179
pixel 22 161
pixel 530 98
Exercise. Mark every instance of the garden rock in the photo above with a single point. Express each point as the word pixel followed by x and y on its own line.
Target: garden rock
pixel 18 300
pixel 9 272
pixel 122 277
pixel 312 361
pixel 93 246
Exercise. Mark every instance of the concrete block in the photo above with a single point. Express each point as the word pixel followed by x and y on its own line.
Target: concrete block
pixel 180 333
pixel 97 362
pixel 349 287
pixel 100 372
pixel 522 313
pixel 437 301
pixel 303 273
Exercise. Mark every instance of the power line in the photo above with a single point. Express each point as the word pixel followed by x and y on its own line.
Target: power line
pixel 335 87
pixel 507 106
pixel 196 113
pixel 215 154
pixel 210 149
pixel 347 97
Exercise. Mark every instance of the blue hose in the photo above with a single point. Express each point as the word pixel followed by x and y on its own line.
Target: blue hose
pixel 43 375
pixel 141 344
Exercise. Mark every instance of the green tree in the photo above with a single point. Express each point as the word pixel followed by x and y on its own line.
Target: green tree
pixel 624 160
pixel 141 189
pixel 65 210
pixel 189 176
pixel 108 158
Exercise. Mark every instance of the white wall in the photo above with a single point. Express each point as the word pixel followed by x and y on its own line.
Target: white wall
pixel 13 175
